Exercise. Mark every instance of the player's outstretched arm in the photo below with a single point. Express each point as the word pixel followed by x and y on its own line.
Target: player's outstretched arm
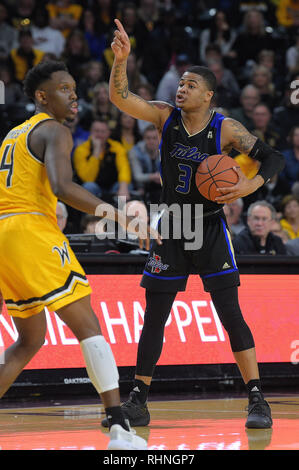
pixel 155 112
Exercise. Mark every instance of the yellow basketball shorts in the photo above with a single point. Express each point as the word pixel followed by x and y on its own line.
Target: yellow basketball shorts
pixel 37 266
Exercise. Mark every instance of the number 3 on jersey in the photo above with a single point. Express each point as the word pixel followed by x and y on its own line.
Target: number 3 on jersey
pixel 7 162
pixel 184 178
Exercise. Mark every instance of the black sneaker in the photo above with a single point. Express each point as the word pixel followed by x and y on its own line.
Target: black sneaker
pixel 259 413
pixel 137 413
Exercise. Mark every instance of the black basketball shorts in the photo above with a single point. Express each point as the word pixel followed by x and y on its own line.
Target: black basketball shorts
pixel 169 265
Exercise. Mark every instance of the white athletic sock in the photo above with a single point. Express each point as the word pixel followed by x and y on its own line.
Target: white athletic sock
pixel 100 363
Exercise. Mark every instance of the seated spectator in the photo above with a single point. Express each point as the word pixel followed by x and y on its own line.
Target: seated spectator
pixel 290 173
pixel 263 127
pixel 287 13
pixel 227 91
pixel 220 32
pixel 102 108
pixel 21 12
pixel 102 165
pixel 290 216
pixel 64 15
pixel 76 53
pixel 252 38
pixel 168 85
pixel 135 77
pixel 8 34
pixel 292 247
pixel 88 223
pixel 62 215
pixel 286 115
pixel 145 164
pixel 93 73
pixel 126 131
pixel 277 229
pixel 249 98
pixel 25 56
pixel 267 58
pixel 95 37
pixel 234 216
pixel 257 238
pixel 146 91
pixel 46 38
pixel 292 55
pixel 261 78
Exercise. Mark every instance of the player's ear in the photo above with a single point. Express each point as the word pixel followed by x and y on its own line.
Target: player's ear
pixel 40 96
pixel 209 95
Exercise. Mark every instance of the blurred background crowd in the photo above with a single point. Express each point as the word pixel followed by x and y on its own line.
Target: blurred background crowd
pixel 253 50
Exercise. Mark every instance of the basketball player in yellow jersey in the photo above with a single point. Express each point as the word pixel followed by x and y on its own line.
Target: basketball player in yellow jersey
pixel 38 269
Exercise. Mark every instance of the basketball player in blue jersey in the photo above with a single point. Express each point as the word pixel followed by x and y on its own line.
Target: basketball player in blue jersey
pixel 189 132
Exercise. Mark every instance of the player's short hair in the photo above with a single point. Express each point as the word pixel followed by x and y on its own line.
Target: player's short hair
pixel 207 75
pixel 39 74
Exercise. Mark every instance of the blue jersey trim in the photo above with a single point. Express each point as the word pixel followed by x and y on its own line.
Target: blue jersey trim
pixel 228 244
pixel 220 273
pixel 172 278
pixel 217 123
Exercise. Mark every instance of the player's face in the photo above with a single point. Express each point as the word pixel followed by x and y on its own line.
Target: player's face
pixel 58 96
pixel 192 92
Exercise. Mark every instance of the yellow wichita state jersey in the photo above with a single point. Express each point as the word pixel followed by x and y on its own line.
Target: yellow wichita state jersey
pixel 24 184
pixel 38 268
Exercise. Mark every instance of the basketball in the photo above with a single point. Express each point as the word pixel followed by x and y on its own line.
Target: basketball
pixel 215 172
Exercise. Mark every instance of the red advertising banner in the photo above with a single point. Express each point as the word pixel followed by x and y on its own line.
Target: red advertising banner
pixel 193 333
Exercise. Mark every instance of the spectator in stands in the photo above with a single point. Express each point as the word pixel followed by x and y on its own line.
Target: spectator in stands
pixel 25 56
pixel 93 74
pixel 148 14
pixel 257 237
pixel 95 37
pixel 79 134
pixel 292 54
pixel 146 91
pixel 267 58
pixel 286 115
pixel 290 219
pixel 168 85
pixel 104 12
pixel 21 13
pixel 252 38
pixel 88 223
pixel 46 38
pixel 135 77
pixel 64 15
pixel 261 78
pixel 62 215
pixel 145 164
pixel 220 32
pixel 262 126
pixel 234 216
pixel 102 108
pixel 76 53
pixel 134 27
pixel 228 90
pixel 249 98
pixel 8 34
pixel 126 131
pixel 287 13
pixel 102 164
pixel 277 229
pixel 292 247
pixel 290 173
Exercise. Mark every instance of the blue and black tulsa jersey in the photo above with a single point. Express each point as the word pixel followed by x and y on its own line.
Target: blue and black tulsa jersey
pixel 181 153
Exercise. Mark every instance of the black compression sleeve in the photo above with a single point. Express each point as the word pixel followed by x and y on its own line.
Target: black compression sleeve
pixel 272 161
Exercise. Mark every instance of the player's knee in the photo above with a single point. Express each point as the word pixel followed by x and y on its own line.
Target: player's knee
pixel 31 345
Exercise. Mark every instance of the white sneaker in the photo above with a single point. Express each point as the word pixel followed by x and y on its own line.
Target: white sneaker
pixel 120 439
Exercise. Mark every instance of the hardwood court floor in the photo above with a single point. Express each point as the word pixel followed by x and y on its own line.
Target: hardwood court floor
pixel 214 424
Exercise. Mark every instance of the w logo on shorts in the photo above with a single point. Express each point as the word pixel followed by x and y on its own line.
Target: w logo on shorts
pixel 63 253
pixel 156 264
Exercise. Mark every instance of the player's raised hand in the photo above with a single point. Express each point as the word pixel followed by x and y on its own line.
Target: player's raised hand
pixel 121 44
